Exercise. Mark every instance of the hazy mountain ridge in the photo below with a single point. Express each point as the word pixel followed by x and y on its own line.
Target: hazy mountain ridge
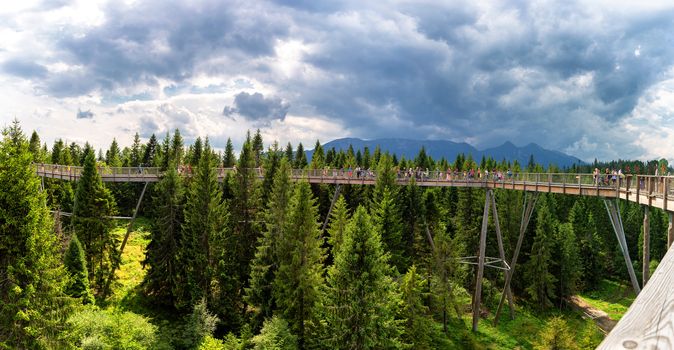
pixel 449 149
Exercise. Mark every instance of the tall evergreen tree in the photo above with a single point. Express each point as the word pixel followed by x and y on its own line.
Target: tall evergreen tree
pixel 299 277
pixel 265 263
pixel 34 147
pixel 135 156
pixel 197 151
pixel 246 230
pixel 76 266
pixel 300 157
pixel 113 155
pixel 318 157
pixel 229 158
pixel 271 165
pixel 361 300
pixel 205 223
pixel 32 278
pixel 150 155
pixel 541 282
pixel 93 202
pixel 257 147
pixel 339 219
pixel 567 259
pixel 418 325
pixel 176 151
pixel 288 154
pixel 387 222
pixel 166 277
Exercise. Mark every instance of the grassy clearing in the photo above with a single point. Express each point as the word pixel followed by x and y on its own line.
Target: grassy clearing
pixel 611 297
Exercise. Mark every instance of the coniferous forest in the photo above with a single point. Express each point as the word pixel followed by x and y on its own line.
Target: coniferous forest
pixel 256 262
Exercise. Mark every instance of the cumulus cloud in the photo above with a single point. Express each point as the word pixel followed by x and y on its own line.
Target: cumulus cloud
pixel 566 75
pixel 257 108
pixel 88 114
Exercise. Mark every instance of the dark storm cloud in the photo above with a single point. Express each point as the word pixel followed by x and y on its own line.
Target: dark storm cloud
pixel 24 68
pixel 88 114
pixel 486 72
pixel 257 108
pixel 156 39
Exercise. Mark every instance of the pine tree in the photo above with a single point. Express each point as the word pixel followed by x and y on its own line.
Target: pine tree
pixel 113 155
pixel 361 300
pixel 446 270
pixel 300 158
pixel 197 151
pixel 318 157
pixel 339 219
pixel 34 147
pixel 150 155
pixel 271 165
pixel 387 221
pixel 288 153
pixel 76 266
pixel 418 325
pixel 205 222
pixel 568 260
pixel 166 278
pixel 176 152
pixel 299 278
pixel 257 147
pixel 589 245
pixel 541 282
pixel 136 157
pixel 32 277
pixel 229 159
pixel 93 202
pixel 265 263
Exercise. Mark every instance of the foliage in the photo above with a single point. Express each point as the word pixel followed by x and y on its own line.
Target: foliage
pixel 32 279
pixel 361 300
pixel 275 335
pixel 555 336
pixel 414 312
pixel 92 328
pixel 200 325
pixel 76 265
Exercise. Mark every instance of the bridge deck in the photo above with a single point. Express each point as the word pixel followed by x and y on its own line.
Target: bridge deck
pixel 654 191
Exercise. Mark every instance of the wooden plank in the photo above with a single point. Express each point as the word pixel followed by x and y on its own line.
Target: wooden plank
pixel 670 230
pixel 649 322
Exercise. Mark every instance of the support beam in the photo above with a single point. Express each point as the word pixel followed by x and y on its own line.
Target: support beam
pixel 616 222
pixel 480 262
pixel 116 262
pixel 332 204
pixel 670 230
pixel 501 252
pixel 527 210
pixel 646 260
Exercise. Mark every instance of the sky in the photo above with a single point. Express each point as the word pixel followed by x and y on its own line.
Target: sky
pixel 594 79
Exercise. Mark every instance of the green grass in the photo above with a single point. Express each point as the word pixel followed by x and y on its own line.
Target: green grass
pixel 611 297
pixel 131 272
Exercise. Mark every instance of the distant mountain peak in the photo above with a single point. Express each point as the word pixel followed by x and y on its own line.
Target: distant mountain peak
pixel 438 149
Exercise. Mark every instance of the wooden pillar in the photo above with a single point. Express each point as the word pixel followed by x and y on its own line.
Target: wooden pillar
pixel 480 262
pixel 646 271
pixel 527 210
pixel 501 252
pixel 332 204
pixel 670 230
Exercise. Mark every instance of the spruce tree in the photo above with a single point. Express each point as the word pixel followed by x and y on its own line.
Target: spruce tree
pixel 113 155
pixel 361 301
pixel 76 266
pixel 418 325
pixel 446 270
pixel 318 157
pixel 300 158
pixel 568 260
pixel 339 219
pixel 205 224
pixel 93 202
pixel 299 278
pixel 229 158
pixel 541 282
pixel 166 278
pixel 150 155
pixel 34 147
pixel 32 278
pixel 257 147
pixel 265 263
pixel 135 156
pixel 176 152
pixel 387 221
pixel 288 153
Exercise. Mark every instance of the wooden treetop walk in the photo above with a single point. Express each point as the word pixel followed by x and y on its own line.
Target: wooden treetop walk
pixel 654 191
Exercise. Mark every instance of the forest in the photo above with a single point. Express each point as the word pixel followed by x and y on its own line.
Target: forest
pixel 247 263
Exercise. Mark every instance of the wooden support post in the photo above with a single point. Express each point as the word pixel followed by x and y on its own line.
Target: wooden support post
pixel 616 222
pixel 527 210
pixel 332 204
pixel 646 249
pixel 670 230
pixel 115 263
pixel 501 252
pixel 480 262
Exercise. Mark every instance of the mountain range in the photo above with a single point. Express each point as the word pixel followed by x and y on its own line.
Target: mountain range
pixel 449 150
